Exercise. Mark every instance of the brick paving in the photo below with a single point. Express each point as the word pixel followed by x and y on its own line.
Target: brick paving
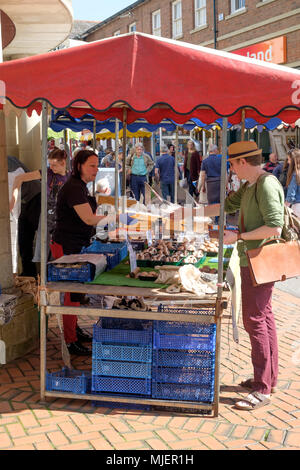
pixel 28 424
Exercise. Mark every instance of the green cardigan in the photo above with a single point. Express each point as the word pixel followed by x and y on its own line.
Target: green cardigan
pixel 261 203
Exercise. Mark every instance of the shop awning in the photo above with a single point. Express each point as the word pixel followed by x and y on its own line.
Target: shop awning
pixel 155 78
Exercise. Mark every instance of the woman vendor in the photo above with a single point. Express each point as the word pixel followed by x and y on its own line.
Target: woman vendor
pixel 75 225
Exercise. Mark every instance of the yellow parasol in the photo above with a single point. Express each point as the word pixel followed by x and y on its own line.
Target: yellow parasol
pixel 104 135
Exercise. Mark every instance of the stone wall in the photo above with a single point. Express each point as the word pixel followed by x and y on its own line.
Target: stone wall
pixel 21 335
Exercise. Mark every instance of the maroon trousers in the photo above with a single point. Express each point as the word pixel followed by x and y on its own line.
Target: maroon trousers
pixel 259 323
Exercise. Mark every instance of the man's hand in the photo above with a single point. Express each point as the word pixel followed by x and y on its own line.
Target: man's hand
pixel 230 237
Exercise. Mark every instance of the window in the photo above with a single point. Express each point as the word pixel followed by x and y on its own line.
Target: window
pixel 177 19
pixel 200 13
pixel 156 23
pixel 117 33
pixel 237 5
pixel 132 27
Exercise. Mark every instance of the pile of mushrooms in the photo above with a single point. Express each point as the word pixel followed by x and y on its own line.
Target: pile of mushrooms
pixel 171 252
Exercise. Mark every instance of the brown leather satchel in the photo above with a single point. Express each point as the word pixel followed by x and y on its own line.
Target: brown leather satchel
pixel 275 262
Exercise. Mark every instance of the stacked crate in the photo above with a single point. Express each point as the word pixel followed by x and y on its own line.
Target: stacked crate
pixel 183 361
pixel 115 252
pixel 69 380
pixel 122 357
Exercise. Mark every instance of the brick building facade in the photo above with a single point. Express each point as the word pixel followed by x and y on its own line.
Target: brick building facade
pixel 225 24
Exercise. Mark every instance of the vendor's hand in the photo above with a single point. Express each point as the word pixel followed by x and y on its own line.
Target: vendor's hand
pixel 108 219
pixel 230 237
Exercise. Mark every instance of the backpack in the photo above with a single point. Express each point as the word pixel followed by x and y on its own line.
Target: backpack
pixel 291 223
pixel 291 227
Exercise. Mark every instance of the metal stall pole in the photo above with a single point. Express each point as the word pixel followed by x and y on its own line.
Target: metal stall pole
pixel 94 148
pixel 44 249
pixel 243 125
pixel 124 160
pixel 203 143
pixel 160 139
pixel 219 306
pixel 67 149
pixel 176 167
pixel 117 169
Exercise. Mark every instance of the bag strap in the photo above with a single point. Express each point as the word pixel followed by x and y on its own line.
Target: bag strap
pixel 258 179
pixel 280 240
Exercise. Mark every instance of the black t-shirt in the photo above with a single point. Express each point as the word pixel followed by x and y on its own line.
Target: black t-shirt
pixel 70 231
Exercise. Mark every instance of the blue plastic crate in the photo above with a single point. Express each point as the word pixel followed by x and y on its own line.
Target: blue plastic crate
pixel 186 311
pixel 122 336
pixel 85 273
pixel 184 342
pixel 183 375
pixel 183 328
pixel 112 260
pixel 66 380
pixel 173 358
pixel 122 353
pixel 183 392
pixel 187 336
pixel 119 249
pixel 125 324
pixel 138 370
pixel 121 385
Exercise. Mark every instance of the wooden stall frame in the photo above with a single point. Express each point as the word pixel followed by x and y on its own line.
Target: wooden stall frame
pixel 50 297
pixel 46 288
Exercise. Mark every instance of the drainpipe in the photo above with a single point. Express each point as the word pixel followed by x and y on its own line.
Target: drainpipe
pixel 215 25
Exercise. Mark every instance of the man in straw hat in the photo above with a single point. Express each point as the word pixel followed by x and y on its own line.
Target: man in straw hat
pixel 261 204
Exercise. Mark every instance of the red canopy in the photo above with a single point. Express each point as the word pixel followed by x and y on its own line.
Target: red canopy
pixel 156 78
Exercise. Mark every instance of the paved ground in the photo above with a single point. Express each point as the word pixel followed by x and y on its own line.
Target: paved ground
pixel 291 286
pixel 25 423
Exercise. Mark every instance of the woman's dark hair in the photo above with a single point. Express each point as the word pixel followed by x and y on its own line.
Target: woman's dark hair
pixel 79 160
pixel 57 154
pixel 294 167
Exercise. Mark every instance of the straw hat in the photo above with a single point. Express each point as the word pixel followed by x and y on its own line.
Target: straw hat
pixel 243 150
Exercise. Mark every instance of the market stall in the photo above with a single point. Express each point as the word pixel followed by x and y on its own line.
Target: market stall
pixel 230 86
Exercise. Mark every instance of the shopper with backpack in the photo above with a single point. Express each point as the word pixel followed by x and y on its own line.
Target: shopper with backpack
pixel 293 182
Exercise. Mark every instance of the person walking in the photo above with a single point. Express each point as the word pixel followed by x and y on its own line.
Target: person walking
pixel 281 172
pixel 260 202
pixel 192 167
pixel 165 173
pixel 139 166
pixel 293 182
pixel 210 175
pixel 109 160
pixel 272 163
